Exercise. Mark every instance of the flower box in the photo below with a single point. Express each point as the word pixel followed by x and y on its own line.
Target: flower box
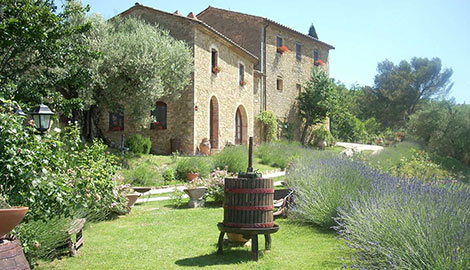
pixel 216 69
pixel 242 83
pixel 319 62
pixel 282 49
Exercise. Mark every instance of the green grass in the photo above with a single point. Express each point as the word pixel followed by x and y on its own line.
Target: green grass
pixel 156 236
pixel 392 156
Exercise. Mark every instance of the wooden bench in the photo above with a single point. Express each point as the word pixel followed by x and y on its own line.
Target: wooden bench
pixel 76 235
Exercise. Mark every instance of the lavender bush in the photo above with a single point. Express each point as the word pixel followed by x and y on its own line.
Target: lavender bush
pixel 323 182
pixel 408 225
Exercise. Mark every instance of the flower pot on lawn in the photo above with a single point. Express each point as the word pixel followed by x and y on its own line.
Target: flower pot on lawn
pixel 10 218
pixel 191 176
pixel 131 199
pixel 196 196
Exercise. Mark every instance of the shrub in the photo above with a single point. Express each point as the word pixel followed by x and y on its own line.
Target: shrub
pixel 201 165
pixel 323 182
pixel 270 123
pixel 215 185
pixel 142 175
pixel 169 175
pixel 139 144
pixel 232 158
pixel 322 134
pixel 409 225
pixel 55 174
pixel 279 154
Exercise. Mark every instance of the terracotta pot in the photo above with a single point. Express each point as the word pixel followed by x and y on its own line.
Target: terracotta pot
pixel 196 193
pixel 10 218
pixel 205 147
pixel 131 199
pixel 191 176
pixel 236 238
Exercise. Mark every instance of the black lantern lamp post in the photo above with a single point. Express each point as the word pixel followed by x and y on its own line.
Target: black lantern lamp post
pixel 42 117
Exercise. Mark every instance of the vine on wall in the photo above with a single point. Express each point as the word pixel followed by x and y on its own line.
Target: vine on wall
pixel 270 124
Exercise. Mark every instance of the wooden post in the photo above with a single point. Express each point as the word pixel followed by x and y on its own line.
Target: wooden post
pixel 250 155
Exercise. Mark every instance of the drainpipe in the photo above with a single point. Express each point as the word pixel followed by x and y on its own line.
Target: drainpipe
pixel 263 66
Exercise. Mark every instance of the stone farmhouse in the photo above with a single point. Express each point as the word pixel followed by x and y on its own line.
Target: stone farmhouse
pixel 243 65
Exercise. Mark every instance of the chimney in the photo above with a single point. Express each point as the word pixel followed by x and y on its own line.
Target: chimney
pixel 177 12
pixel 192 16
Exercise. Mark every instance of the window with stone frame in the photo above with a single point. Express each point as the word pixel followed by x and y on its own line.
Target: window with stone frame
pixel 298 51
pixel 278 44
pixel 279 84
pixel 159 116
pixel 214 61
pixel 316 56
pixel 116 121
pixel 241 74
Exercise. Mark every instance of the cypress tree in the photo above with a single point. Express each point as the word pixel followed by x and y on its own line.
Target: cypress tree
pixel 312 32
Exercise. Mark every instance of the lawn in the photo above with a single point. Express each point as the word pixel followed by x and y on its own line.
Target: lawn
pixel 156 236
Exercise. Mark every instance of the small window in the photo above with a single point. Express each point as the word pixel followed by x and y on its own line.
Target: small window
pixel 241 74
pixel 116 121
pixel 298 51
pixel 214 61
pixel 315 56
pixel 159 116
pixel 256 86
pixel 279 84
pixel 299 88
pixel 278 42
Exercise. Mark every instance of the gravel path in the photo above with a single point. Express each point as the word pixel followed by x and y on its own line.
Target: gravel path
pixel 352 148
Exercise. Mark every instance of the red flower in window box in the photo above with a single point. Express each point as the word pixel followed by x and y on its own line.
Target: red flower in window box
pixel 216 69
pixel 319 62
pixel 242 83
pixel 158 125
pixel 282 49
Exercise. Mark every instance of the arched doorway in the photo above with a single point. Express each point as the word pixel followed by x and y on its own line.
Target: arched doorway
pixel 241 132
pixel 214 123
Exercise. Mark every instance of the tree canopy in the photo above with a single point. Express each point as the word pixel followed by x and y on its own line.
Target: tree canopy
pixel 318 100
pixel 78 63
pixel 400 89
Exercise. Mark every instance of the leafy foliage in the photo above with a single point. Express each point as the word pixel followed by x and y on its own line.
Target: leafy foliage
pixel 270 123
pixel 215 185
pixel 139 144
pixel 318 100
pixel 322 134
pixel 400 89
pixel 55 174
pixel 142 63
pixel 444 128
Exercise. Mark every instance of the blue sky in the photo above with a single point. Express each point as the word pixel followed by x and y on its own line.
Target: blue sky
pixel 364 32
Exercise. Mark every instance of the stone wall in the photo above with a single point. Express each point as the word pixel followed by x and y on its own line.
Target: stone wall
pixel 291 71
pixel 224 86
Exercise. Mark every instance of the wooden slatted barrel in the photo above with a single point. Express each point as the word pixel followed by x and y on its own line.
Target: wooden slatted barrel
pixel 249 201
pixel 12 256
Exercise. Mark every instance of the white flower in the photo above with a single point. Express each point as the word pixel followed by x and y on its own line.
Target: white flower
pixel 57 130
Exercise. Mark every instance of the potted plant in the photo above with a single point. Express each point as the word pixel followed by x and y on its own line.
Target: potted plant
pixel 10 217
pixel 282 49
pixel 196 191
pixel 242 83
pixel 216 69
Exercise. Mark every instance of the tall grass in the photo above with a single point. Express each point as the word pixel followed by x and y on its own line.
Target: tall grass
pixel 392 156
pixel 232 158
pixel 279 154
